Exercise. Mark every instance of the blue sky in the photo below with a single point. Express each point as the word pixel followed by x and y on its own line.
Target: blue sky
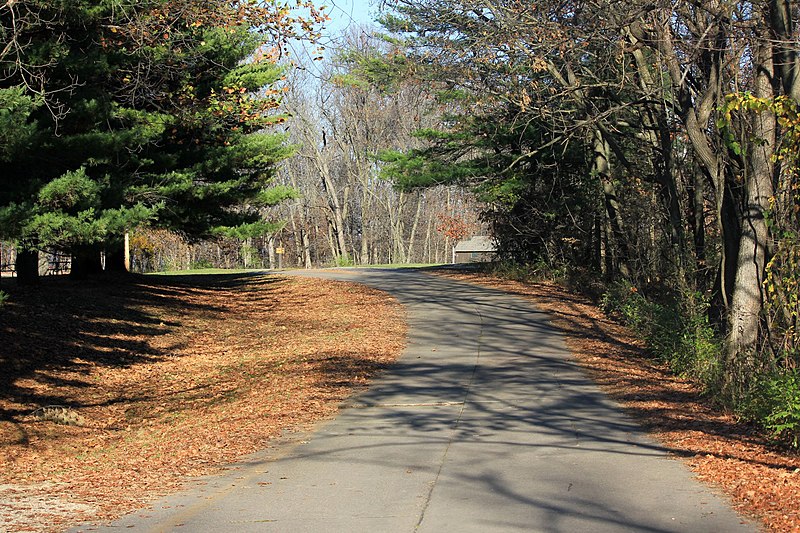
pixel 342 13
pixel 346 12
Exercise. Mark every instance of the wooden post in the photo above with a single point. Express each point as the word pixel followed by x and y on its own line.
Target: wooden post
pixel 127 251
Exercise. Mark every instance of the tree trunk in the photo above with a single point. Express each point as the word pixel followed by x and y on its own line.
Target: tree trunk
pixel 27 267
pixel 658 133
pixel 743 361
pixel 116 258
pixel 271 251
pixel 306 249
pixel 697 225
pixel 86 262
pixel 413 236
pixel 602 168
pixel 335 206
pixel 786 59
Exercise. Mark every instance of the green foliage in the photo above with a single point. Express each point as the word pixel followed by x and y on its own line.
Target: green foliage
pixel 676 333
pixel 784 415
pixel 72 190
pixel 682 336
pixel 775 403
pixel 16 129
pixel 533 272
pixel 250 255
pixel 374 69
pixel 154 114
pixel 344 261
pixel 418 168
pixel 246 230
pixel 202 264
pixel 3 298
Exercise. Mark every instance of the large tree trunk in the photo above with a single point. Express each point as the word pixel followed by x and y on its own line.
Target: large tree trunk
pixel 116 258
pixel 335 206
pixel 27 267
pixel 786 59
pixel 743 360
pixel 413 236
pixel 306 249
pixel 366 232
pixel 695 218
pixel 658 133
pixel 86 262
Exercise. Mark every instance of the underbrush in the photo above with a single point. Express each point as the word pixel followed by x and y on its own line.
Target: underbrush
pixel 775 404
pixel 677 331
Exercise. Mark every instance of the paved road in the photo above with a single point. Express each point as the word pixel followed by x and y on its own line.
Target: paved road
pixel 485 424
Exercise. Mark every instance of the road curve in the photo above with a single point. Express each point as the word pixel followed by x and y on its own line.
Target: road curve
pixel 484 424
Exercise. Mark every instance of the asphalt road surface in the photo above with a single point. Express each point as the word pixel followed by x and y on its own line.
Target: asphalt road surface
pixel 484 424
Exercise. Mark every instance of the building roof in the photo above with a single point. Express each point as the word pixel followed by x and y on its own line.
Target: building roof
pixel 479 243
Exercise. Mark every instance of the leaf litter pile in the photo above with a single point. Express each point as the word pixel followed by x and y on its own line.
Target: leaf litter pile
pixel 113 392
pixel 761 478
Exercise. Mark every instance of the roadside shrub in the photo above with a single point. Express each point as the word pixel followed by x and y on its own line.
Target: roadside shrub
pixel 3 298
pixel 775 404
pixel 201 264
pixel 585 281
pixel 250 256
pixel 528 272
pixel 344 261
pixel 678 332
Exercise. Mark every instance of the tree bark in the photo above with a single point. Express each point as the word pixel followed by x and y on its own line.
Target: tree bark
pixel 786 60
pixel 743 360
pixel 27 267
pixel 115 258
pixel 602 167
pixel 86 262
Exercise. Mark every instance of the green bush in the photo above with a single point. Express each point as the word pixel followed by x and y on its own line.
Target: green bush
pixel 200 264
pixel 678 333
pixel 538 271
pixel 250 256
pixel 775 404
pixel 344 261
pixel 3 298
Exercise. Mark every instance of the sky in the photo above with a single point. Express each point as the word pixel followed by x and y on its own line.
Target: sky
pixel 342 13
pixel 346 12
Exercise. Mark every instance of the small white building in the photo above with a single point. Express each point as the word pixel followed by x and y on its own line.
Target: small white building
pixel 478 249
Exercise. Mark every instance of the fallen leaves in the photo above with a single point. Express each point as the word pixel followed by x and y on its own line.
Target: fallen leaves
pixel 171 377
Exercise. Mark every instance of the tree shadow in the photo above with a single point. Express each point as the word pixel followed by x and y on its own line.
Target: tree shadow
pixel 654 407
pixel 52 335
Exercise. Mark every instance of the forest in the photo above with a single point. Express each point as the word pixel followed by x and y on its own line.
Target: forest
pixel 645 152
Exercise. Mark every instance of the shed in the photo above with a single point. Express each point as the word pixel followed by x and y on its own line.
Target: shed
pixel 478 249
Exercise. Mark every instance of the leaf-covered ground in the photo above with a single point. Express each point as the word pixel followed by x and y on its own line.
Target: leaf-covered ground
pixel 762 479
pixel 168 377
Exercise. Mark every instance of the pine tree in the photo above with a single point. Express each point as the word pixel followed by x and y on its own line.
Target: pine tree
pixel 123 114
